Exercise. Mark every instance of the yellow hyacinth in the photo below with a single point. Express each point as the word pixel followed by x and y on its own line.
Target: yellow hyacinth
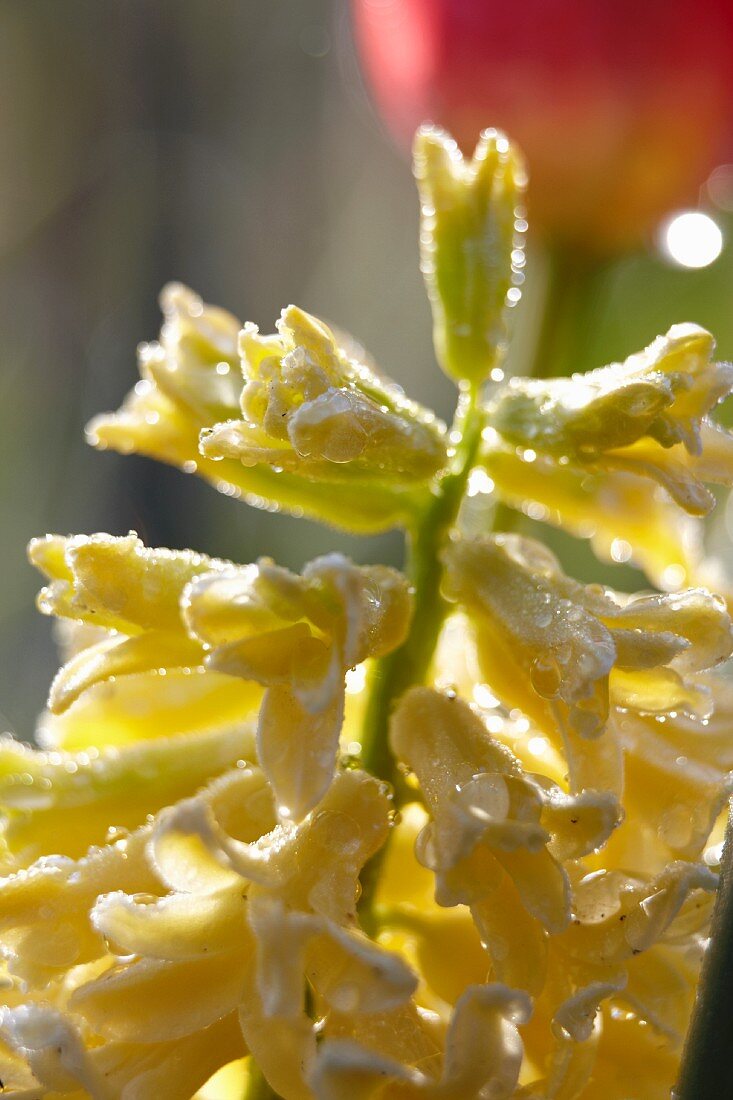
pixel 353 833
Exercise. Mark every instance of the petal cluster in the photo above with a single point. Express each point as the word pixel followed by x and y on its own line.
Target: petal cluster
pixel 521 870
pixel 309 408
pixel 181 893
pixel 621 454
pixel 293 420
pixel 178 949
pixel 174 615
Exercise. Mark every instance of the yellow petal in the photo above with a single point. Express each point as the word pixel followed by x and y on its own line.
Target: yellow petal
pixel 178 927
pixel 121 584
pixel 297 749
pixel 149 705
pixel 144 997
pixel 120 656
pixel 63 803
pixel 44 911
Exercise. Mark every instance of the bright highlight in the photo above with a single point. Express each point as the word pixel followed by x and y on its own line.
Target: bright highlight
pixel 692 239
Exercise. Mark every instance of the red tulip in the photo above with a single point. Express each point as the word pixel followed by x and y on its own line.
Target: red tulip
pixel 622 107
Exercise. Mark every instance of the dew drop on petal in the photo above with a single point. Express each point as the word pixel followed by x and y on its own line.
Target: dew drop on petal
pixel 545 676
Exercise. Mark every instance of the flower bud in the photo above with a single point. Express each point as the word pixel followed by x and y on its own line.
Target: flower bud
pixel 471 246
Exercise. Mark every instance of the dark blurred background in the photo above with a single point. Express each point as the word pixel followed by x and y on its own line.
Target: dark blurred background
pixel 229 144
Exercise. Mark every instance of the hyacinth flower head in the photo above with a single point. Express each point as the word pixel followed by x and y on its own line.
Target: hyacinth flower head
pixel 351 832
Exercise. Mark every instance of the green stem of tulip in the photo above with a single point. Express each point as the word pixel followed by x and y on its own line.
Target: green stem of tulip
pixel 409 664
pixel 571 298
pixel 706 1072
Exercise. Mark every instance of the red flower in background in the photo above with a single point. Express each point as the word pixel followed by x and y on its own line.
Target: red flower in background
pixel 622 107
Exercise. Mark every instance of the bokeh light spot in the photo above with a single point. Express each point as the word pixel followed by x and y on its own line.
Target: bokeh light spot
pixel 691 239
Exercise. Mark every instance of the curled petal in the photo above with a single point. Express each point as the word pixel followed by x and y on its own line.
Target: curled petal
pixel 61 1062
pixel 578 824
pixel 313 865
pixel 534 641
pixel 619 918
pixel 660 394
pixel 298 635
pixel 53 1049
pixel 223 607
pixel 483 820
pixel 182 926
pixel 344 1068
pixel 561 651
pixel 44 911
pixel 620 454
pixel 575 1018
pixel 144 997
pixel 297 750
pixel 120 656
pixel 350 972
pixel 483 1055
pixel 184 850
pixel 316 418
pixel 697 619
pixel 310 409
pixel 483 1046
pixel 118 583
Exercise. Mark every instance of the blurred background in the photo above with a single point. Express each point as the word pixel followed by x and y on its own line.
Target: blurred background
pixel 233 146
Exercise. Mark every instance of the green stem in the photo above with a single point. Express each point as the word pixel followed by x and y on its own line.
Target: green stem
pixel 409 664
pixel 706 1072
pixel 571 297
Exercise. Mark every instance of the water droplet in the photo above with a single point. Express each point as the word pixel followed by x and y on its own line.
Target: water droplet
pixel 545 676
